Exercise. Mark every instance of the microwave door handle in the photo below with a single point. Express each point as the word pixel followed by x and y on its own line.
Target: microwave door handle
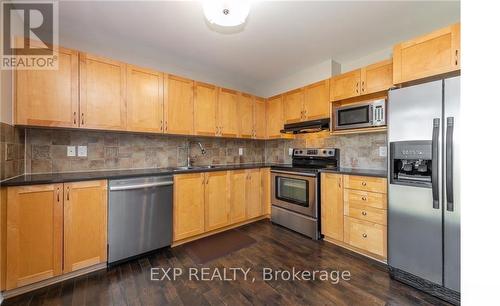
pixel 370 114
pixel 435 164
pixel 449 163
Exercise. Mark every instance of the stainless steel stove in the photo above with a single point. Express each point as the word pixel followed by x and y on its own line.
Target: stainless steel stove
pixel 295 189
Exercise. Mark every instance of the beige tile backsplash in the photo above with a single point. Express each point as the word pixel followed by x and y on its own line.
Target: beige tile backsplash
pixel 11 151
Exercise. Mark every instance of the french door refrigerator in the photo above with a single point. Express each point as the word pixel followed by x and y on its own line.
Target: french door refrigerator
pixel 424 187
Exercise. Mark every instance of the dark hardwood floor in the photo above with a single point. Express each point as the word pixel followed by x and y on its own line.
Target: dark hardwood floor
pixel 276 248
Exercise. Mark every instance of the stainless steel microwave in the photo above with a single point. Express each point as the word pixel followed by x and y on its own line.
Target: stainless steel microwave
pixel 362 115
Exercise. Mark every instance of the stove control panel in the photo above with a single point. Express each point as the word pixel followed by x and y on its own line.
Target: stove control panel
pixel 318 152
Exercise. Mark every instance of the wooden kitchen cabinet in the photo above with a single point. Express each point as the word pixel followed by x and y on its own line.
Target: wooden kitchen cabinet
pixel 376 77
pixel 246 114
pixel 254 195
pixel 205 109
pixel 228 118
pixel 85 224
pixel 102 93
pixel 217 205
pixel 238 182
pixel 189 205
pixel 179 106
pixel 332 206
pixel 260 118
pixel 274 117
pixel 293 106
pixel 346 85
pixel 144 100
pixel 367 236
pixel 34 234
pixel 316 100
pixel 265 174
pixel 48 97
pixel 428 55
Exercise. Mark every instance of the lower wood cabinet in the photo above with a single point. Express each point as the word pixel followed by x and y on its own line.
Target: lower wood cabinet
pixel 253 194
pixel 217 204
pixel 46 221
pixel 238 196
pixel 332 206
pixel 189 205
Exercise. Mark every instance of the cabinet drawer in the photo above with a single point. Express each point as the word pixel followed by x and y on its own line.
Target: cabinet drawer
pixel 367 183
pixel 367 213
pixel 366 198
pixel 365 235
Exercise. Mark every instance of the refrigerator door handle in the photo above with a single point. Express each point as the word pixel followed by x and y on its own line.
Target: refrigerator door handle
pixel 449 163
pixel 435 164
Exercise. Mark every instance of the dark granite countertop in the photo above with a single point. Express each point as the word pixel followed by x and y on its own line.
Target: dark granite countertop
pixel 52 178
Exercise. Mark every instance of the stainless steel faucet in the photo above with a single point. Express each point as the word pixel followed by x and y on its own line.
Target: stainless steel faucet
pixel 202 149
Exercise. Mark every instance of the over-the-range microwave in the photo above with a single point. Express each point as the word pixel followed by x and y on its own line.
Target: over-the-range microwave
pixel 368 114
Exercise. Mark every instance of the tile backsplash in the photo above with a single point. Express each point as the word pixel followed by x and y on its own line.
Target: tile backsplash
pixel 11 151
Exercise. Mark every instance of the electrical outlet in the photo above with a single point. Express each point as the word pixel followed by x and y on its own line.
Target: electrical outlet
pixel 82 151
pixel 240 151
pixel 382 151
pixel 290 151
pixel 71 151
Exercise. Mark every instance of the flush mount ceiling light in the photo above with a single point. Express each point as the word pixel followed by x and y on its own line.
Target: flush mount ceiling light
pixel 226 13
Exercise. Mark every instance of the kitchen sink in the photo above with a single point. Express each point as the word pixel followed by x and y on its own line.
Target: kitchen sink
pixel 193 167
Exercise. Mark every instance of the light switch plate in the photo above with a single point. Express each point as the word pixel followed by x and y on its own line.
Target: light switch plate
pixel 71 151
pixel 240 151
pixel 290 151
pixel 382 151
pixel 82 151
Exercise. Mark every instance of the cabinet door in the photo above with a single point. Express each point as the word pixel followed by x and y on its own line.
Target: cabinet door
pixel 259 118
pixel 346 85
pixel 228 112
pixel 293 105
pixel 48 97
pixel 102 93
pixel 238 196
pixel 144 100
pixel 376 77
pixel 189 205
pixel 217 204
pixel 332 206
pixel 428 55
pixel 274 117
pixel 317 100
pixel 85 224
pixel 34 234
pixel 246 114
pixel 254 194
pixel 266 190
pixel 179 106
pixel 205 109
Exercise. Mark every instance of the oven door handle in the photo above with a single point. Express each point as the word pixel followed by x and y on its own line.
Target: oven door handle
pixel 294 173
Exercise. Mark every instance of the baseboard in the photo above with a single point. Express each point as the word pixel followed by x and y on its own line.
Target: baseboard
pixel 21 290
pixel 219 230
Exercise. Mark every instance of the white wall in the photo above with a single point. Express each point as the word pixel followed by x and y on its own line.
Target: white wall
pixel 367 60
pixel 301 78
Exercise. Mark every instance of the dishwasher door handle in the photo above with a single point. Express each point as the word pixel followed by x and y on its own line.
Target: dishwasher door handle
pixel 139 186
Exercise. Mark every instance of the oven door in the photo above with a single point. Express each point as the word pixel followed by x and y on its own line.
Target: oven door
pixel 294 191
pixel 351 117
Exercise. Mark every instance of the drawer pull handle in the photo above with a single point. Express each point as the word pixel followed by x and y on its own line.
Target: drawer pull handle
pixel 363 183
pixel 365 235
pixel 363 198
pixel 363 213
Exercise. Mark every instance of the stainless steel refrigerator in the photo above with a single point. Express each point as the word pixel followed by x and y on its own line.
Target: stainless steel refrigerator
pixel 424 187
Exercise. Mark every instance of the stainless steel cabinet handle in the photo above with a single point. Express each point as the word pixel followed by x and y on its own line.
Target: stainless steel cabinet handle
pixel 449 163
pixel 365 235
pixel 83 122
pixel 363 183
pixel 363 213
pixel 129 187
pixel 435 164
pixel 57 194
pixel 67 193
pixel 363 198
pixel 74 118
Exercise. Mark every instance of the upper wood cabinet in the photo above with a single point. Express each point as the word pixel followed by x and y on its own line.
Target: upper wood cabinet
pixel 428 55
pixel 48 97
pixel 34 234
pixel 205 109
pixel 217 205
pixel 316 100
pixel 274 116
pixel 293 106
pixel 345 85
pixel 228 113
pixel 376 77
pixel 179 105
pixel 85 224
pixel 332 206
pixel 144 100
pixel 260 118
pixel 189 205
pixel 102 93
pixel 246 115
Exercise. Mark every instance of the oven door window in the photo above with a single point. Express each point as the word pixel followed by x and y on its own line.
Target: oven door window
pixel 292 190
pixel 355 115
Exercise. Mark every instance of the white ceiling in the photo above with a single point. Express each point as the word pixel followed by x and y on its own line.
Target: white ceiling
pixel 280 37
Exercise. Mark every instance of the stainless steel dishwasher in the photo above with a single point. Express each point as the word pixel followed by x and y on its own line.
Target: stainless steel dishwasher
pixel 139 216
